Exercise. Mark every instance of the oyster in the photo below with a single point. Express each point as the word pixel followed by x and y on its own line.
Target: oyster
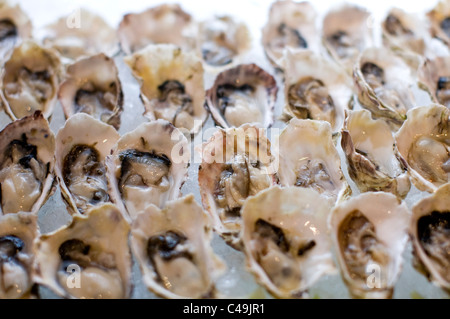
pixel 148 166
pixel 369 234
pixel 81 34
pixel 290 25
pixel 165 23
pixel 285 235
pixel 315 88
pixel 29 80
pixel 17 233
pixel 92 86
pixel 173 248
pixel 384 84
pixel 89 258
pixel 372 158
pixel 243 94
pixel 309 159
pixel 430 234
pixel 27 149
pixel 423 141
pixel 171 85
pixel 434 78
pixel 82 145
pixel 236 163
pixel 439 18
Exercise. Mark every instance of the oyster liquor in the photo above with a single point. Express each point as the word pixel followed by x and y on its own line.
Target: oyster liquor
pixel 241 308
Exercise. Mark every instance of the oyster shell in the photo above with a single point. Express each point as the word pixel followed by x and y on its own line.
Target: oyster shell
pixel 173 248
pixel 89 258
pixel 315 88
pixel 17 233
pixel 171 85
pixel 147 166
pixel 439 18
pixel 242 94
pixel 165 23
pixel 372 159
pixel 434 78
pixel 236 163
pixel 27 149
pixel 290 25
pixel 92 86
pixel 285 235
pixel 82 145
pixel 309 159
pixel 369 234
pixel 423 141
pixel 430 234
pixel 29 80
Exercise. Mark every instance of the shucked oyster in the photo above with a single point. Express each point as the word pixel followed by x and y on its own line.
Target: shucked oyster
pixel 430 233
pixel 372 159
pixel 27 149
pixel 81 148
pixel 243 94
pixel 434 78
pixel 290 25
pixel 92 86
pixel 89 258
pixel 236 163
pixel 424 142
pixel 285 235
pixel 148 166
pixel 171 85
pixel 29 80
pixel 173 248
pixel 369 234
pixel 439 18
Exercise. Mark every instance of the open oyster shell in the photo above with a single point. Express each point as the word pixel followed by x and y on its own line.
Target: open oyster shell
pixel 285 235
pixel 27 161
pixel 92 86
pixel 369 234
pixel 165 23
pixel 29 80
pixel 173 248
pixel 242 94
pixel 290 25
pixel 147 166
pixel 434 78
pixel 439 18
pixel 82 145
pixel 89 258
pixel 372 159
pixel 309 159
pixel 17 233
pixel 172 86
pixel 236 163
pixel 423 142
pixel 430 234
pixel 315 88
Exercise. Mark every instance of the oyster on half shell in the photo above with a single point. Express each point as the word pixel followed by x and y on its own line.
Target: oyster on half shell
pixel 434 78
pixel 439 18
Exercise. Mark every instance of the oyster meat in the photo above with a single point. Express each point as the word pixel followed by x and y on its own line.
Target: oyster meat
pixel 434 78
pixel 439 19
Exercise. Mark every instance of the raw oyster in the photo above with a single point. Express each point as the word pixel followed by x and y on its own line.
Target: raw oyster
pixel 82 145
pixel 439 18
pixel 171 85
pixel 92 86
pixel 243 94
pixel 315 88
pixel 424 142
pixel 430 234
pixel 82 33
pixel 369 234
pixel 173 248
pixel 434 78
pixel 165 23
pixel 17 233
pixel 285 235
pixel 148 166
pixel 372 158
pixel 236 163
pixel 309 159
pixel 29 80
pixel 89 258
pixel 290 25
pixel 27 149
pixel 384 84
